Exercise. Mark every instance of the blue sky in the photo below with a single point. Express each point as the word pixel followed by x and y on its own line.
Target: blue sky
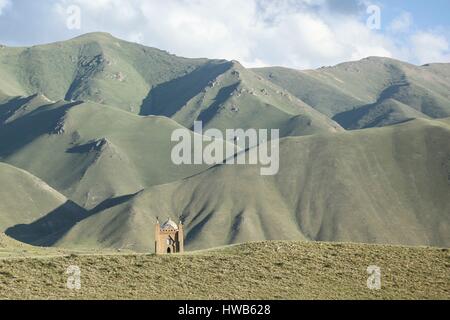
pixel 427 14
pixel 293 33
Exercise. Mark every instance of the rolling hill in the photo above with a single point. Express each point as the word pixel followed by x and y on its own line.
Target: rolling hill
pixel 370 186
pixel 100 68
pixel 95 67
pixel 370 92
pixel 27 200
pixel 236 98
pixel 89 152
pixel 93 118
pixel 13 248
pixel 6 243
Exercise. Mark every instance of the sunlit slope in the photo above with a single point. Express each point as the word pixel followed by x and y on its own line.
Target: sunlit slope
pixel 6 243
pixel 265 270
pixel 99 68
pixel 26 199
pixel 3 96
pixel 95 67
pixel 325 96
pixel 226 95
pixel 341 90
pixel 93 118
pixel 90 152
pixel 387 185
pixel 10 247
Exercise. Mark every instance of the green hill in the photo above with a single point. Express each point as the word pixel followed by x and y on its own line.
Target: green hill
pixel 27 200
pixel 95 67
pixel 100 68
pixel 10 248
pixel 267 270
pixel 89 152
pixel 234 97
pixel 347 90
pixel 379 114
pixel 93 118
pixel 6 243
pixel 387 185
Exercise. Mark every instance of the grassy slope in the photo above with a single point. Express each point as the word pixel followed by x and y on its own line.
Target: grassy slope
pixel 95 67
pixel 370 82
pixel 379 114
pixel 325 97
pixel 90 152
pixel 268 270
pixel 229 96
pixel 6 243
pixel 78 147
pixel 100 68
pixel 10 248
pixel 26 199
pixel 387 185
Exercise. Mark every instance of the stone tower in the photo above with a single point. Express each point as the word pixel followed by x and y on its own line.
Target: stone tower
pixel 169 237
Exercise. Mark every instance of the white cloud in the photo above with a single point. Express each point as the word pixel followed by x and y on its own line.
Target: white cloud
pixel 3 5
pixel 301 33
pixel 430 47
pixel 402 23
pixel 293 33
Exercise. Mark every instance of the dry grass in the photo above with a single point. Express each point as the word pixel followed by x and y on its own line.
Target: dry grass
pixel 266 270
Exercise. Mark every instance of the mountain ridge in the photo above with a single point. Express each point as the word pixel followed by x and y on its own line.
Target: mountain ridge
pixel 248 207
pixel 365 83
pixel 93 118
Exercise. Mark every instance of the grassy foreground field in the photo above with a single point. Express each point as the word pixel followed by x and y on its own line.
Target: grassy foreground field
pixel 266 270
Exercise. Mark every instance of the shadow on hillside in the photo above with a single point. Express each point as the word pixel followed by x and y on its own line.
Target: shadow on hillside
pixel 197 229
pixel 222 96
pixel 19 133
pixel 109 203
pixel 9 107
pixel 168 98
pixel 349 119
pixel 46 231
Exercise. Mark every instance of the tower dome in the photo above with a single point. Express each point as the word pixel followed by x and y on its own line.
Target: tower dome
pixel 169 224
